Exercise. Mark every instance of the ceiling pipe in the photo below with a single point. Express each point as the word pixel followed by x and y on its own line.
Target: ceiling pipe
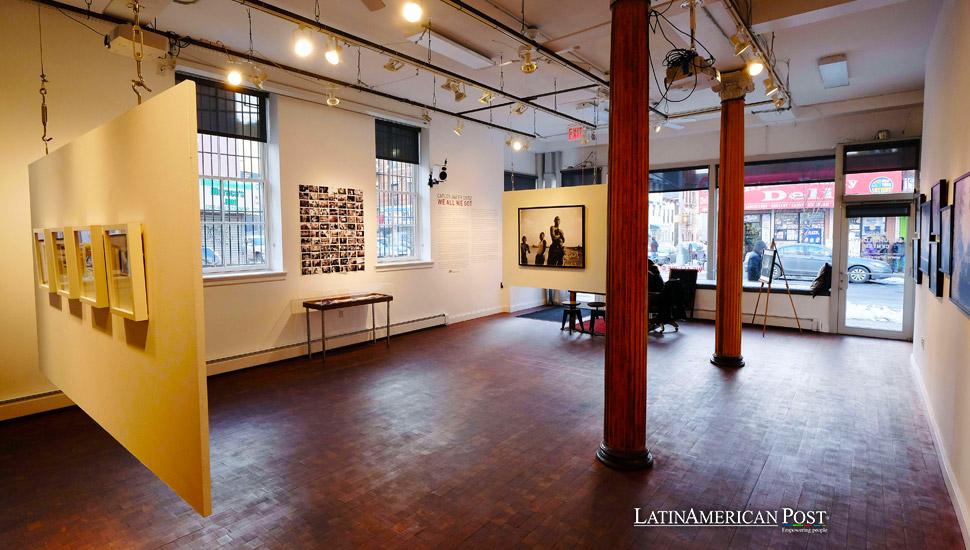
pixel 224 50
pixel 516 35
pixel 281 13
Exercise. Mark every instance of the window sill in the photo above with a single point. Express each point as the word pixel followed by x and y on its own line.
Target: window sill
pixel 775 289
pixel 244 277
pixel 402 266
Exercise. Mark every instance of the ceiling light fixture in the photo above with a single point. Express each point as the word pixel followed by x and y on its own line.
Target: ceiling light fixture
pixel 528 65
pixel 834 70
pixel 460 93
pixel 770 87
pixel 333 51
pixel 458 127
pixel 740 42
pixel 332 99
pixel 779 101
pixel 657 129
pixel 425 115
pixel 520 108
pixel 394 65
pixel 258 77
pixel 234 77
pixel 755 66
pixel 526 145
pixel 516 145
pixel 487 97
pixel 412 12
pixel 301 41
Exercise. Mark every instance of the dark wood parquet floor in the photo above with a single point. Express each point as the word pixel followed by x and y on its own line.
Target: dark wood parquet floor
pixel 483 434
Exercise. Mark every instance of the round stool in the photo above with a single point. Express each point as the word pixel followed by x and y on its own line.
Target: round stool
pixel 596 313
pixel 571 312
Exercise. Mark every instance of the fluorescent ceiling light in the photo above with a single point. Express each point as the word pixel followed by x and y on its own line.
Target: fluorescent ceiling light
pixel 834 70
pixel 451 49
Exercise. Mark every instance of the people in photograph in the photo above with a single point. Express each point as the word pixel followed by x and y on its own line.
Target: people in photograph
pixel 524 251
pixel 899 254
pixel 752 262
pixel 654 247
pixel 541 253
pixel 557 250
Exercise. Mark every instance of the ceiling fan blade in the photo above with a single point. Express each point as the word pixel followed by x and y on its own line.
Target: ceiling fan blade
pixel 373 5
pixel 674 126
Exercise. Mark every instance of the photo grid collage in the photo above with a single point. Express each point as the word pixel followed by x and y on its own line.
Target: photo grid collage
pixel 331 229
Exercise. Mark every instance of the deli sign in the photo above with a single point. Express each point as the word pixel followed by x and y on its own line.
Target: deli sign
pixel 784 197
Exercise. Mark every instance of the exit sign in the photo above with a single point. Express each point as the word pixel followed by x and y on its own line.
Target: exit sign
pixel 575 133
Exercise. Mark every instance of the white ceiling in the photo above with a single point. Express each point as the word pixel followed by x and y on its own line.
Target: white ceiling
pixel 885 42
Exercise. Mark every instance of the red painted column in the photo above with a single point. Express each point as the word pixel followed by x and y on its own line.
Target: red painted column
pixel 730 220
pixel 625 428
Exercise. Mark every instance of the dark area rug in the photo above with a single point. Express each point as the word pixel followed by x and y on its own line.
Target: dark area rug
pixel 551 313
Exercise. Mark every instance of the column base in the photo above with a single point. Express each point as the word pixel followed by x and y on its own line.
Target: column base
pixel 624 460
pixel 727 361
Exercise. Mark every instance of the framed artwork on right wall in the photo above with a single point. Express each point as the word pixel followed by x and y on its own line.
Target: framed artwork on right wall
pixel 960 277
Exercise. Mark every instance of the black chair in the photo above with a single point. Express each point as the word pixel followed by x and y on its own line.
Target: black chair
pixel 571 312
pixel 596 313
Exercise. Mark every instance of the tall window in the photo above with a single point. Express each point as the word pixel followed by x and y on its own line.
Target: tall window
pixel 678 219
pixel 398 155
pixel 232 177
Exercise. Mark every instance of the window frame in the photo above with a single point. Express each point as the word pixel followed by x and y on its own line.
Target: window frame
pixel 416 226
pixel 387 153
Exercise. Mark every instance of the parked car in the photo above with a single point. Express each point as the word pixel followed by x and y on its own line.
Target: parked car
pixel 210 258
pixel 804 261
pixel 699 250
pixel 665 254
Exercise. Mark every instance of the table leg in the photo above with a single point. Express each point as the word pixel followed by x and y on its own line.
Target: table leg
pixel 309 352
pixel 323 336
pixel 388 324
pixel 373 323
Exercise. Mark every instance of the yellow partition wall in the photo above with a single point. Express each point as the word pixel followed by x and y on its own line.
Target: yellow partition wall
pixel 593 277
pixel 142 381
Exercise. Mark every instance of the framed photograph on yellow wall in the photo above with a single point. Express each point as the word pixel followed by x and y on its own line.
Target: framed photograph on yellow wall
pixel 88 265
pixel 65 267
pixel 42 259
pixel 125 268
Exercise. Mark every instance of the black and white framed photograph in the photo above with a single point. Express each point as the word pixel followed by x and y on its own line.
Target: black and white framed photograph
pixel 553 236
pixel 936 277
pixel 960 275
pixel 946 240
pixel 915 254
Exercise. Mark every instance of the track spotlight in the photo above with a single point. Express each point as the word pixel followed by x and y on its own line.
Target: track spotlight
pixel 755 67
pixel 412 12
pixel 528 65
pixel 487 97
pixel 301 41
pixel 779 101
pixel 394 65
pixel 458 127
pixel 450 84
pixel 526 145
pixel 460 93
pixel 425 115
pixel 657 129
pixel 770 87
pixel 520 108
pixel 333 51
pixel 513 142
pixel 740 42
pixel 332 99
pixel 516 145
pixel 234 77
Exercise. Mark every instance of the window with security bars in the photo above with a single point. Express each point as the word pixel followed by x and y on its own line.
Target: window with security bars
pixel 232 178
pixel 398 154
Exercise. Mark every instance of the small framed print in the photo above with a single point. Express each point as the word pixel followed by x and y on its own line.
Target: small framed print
pixel 42 259
pixel 88 268
pixel 64 263
pixel 125 269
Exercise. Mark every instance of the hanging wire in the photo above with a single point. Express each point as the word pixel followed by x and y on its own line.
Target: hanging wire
pixel 316 10
pixel 88 11
pixel 137 51
pixel 43 85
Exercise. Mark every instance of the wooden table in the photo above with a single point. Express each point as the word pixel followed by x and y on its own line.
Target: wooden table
pixel 341 302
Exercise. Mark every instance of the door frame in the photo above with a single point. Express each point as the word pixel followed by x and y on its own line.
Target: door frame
pixel 840 282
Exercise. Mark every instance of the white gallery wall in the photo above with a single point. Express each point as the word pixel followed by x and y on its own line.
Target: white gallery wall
pixel 88 86
pixel 942 332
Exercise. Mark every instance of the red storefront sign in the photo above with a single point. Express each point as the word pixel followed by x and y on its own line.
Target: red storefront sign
pixel 798 196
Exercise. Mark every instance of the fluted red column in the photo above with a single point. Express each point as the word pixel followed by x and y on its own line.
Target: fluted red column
pixel 625 431
pixel 730 220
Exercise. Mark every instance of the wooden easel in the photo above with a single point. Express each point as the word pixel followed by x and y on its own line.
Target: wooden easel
pixel 777 258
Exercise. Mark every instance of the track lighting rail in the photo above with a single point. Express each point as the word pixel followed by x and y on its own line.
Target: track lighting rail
pixel 223 50
pixel 281 13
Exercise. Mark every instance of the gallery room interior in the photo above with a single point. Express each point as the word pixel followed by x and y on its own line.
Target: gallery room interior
pixel 485 274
